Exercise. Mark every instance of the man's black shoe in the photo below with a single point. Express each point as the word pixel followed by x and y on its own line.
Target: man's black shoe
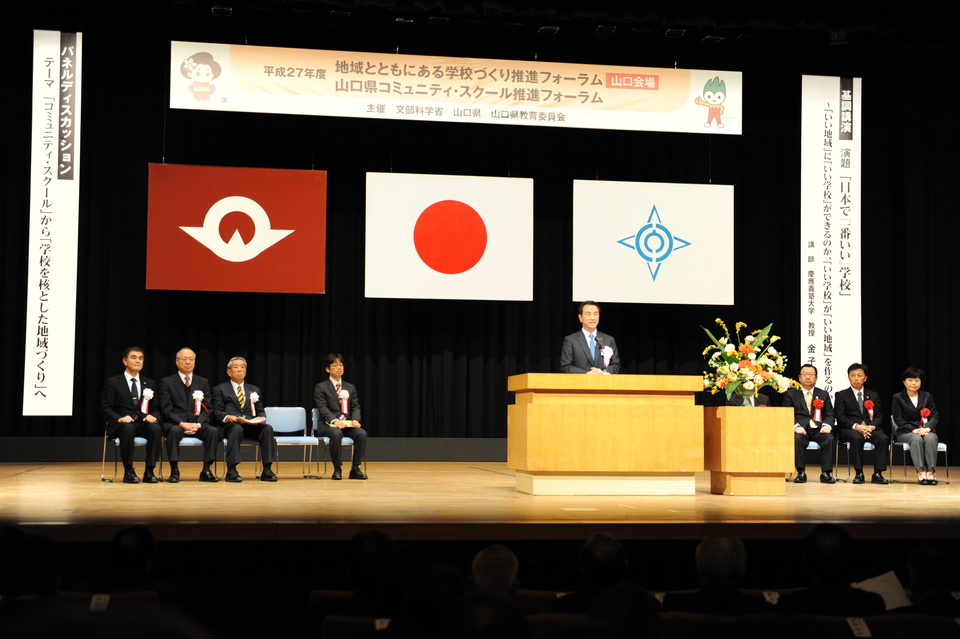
pixel 801 477
pixel 858 479
pixel 149 477
pixel 879 479
pixel 206 475
pixel 174 476
pixel 356 473
pixel 130 477
pixel 337 474
pixel 268 475
pixel 825 478
pixel 233 476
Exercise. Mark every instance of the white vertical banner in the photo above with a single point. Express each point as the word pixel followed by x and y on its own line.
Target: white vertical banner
pixel 830 227
pixel 53 225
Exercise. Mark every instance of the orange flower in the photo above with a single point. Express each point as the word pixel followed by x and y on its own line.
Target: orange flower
pixel 746 349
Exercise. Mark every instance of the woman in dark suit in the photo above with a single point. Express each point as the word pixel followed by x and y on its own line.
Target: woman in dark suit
pixel 915 417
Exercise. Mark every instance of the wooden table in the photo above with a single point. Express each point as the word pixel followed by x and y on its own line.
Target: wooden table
pixel 605 434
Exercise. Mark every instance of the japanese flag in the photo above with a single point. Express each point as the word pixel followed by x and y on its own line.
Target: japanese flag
pixel 449 237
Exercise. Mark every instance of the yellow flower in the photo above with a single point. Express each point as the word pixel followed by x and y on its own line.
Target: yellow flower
pixel 708 349
pixel 740 325
pixel 774 338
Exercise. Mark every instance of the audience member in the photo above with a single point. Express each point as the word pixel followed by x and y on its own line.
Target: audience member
pixel 603 563
pixel 828 553
pixel 494 572
pixel 721 564
pixel 932 569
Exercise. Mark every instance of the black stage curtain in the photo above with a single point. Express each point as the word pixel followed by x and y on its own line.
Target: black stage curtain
pixel 436 368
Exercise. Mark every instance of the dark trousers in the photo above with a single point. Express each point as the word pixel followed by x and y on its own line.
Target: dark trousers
pixel 359 437
pixel 126 431
pixel 827 445
pixel 207 433
pixel 263 433
pixel 878 438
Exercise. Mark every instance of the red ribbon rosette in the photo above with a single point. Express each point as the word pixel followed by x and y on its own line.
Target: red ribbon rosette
pixel 817 405
pixel 869 406
pixel 924 414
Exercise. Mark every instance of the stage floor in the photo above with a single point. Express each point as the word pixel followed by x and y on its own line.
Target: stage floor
pixel 447 500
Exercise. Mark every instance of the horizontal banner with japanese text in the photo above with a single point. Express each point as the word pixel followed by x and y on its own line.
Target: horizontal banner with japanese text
pixel 222 77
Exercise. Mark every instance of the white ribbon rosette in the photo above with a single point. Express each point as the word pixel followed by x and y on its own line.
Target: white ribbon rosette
pixel 145 400
pixel 344 396
pixel 607 353
pixel 197 401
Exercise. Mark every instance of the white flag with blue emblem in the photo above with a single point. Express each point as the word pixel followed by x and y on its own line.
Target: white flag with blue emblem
pixel 653 243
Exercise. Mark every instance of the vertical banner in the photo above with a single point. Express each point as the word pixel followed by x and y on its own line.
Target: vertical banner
pixel 830 226
pixel 53 224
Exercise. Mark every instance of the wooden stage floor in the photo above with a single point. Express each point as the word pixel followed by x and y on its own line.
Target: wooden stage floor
pixel 475 501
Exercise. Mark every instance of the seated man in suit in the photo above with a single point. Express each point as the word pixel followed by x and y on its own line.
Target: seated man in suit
pixel 739 400
pixel 813 420
pixel 859 420
pixel 183 403
pixel 128 407
pixel 339 408
pixel 588 350
pixel 237 406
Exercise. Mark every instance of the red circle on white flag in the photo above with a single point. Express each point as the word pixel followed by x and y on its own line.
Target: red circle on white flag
pixel 450 237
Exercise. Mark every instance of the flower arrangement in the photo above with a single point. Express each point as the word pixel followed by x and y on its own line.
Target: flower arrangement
pixel 745 366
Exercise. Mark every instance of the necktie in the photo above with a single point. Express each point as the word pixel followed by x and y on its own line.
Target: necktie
pixel 338 389
pixel 240 399
pixel 134 393
pixel 750 399
pixel 813 424
pixel 860 400
pixel 593 349
pixel 186 381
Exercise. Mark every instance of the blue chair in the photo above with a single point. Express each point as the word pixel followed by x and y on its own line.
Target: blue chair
pixel 347 441
pixel 185 441
pixel 290 428
pixel 137 441
pixel 941 448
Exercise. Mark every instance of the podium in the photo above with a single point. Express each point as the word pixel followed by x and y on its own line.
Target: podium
pixel 748 450
pixel 605 434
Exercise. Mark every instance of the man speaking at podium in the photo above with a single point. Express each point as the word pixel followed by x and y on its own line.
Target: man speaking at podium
pixel 588 351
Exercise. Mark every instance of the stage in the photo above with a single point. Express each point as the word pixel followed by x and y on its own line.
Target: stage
pixel 449 501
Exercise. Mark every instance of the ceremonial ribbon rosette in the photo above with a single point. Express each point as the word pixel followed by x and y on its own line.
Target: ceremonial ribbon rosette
pixel 607 354
pixel 924 414
pixel 817 405
pixel 869 406
pixel 344 396
pixel 145 400
pixel 254 398
pixel 745 366
pixel 197 401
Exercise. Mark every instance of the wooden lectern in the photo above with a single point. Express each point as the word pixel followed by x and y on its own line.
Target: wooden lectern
pixel 605 434
pixel 748 450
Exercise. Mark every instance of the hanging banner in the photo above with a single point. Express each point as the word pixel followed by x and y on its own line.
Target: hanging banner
pixel 224 77
pixel 53 225
pixel 830 251
pixel 652 243
pixel 236 229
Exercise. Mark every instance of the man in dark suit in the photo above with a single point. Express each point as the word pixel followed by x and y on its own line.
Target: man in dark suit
pixel 739 400
pixel 859 420
pixel 183 403
pixel 128 406
pixel 339 408
pixel 237 406
pixel 811 423
pixel 588 350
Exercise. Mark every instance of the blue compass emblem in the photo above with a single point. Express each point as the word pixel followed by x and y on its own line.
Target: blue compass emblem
pixel 654 243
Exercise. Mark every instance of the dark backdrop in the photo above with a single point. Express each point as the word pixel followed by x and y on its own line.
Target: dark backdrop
pixel 437 368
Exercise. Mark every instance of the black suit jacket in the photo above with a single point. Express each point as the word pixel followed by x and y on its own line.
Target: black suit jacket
pixel 907 416
pixel 737 400
pixel 575 354
pixel 848 409
pixel 225 402
pixel 795 398
pixel 115 401
pixel 176 403
pixel 325 398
